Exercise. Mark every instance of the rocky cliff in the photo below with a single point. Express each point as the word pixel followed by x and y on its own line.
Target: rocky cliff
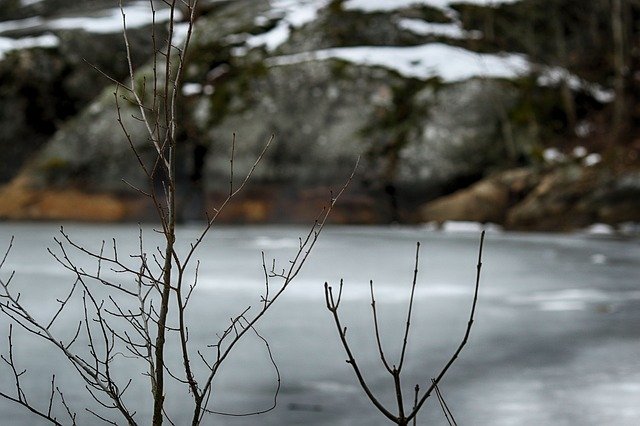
pixel 433 96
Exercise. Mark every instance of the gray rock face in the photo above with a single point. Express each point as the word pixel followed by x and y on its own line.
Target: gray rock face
pixel 315 115
pixel 418 137
pixel 96 157
pixel 19 9
pixel 29 105
pixel 413 136
pixel 42 87
pixel 459 136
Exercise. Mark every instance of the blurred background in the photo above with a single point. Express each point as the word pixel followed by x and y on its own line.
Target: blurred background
pixel 521 113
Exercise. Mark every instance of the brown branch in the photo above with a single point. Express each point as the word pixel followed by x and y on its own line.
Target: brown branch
pixel 276 392
pixel 448 415
pixel 377 329
pixel 416 391
pixel 464 339
pixel 332 305
pixel 21 397
pixel 411 298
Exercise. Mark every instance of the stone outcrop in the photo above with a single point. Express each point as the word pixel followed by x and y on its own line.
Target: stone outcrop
pixel 557 199
pixel 415 137
pixel 429 145
pixel 42 87
pixel 487 201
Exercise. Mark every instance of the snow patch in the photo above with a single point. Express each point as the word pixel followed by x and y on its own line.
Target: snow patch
pixel 180 31
pixel 421 27
pixel 462 226
pixel 110 21
pixel 592 159
pixel 292 13
pixel 272 39
pixel 426 61
pixel 600 229
pixel 191 89
pixel 553 155
pixel 387 5
pixel 9 44
pixel 579 152
pixel 21 24
pixel 553 76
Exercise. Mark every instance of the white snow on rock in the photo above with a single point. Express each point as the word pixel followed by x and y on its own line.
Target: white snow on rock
pixel 191 89
pixel 452 30
pixel 272 39
pixel 292 14
pixel 592 159
pixel 553 155
pixel 21 24
pixel 9 44
pixel 137 15
pixel 552 76
pixel 180 31
pixel 389 5
pixel 450 63
pixel 579 152
pixel 110 21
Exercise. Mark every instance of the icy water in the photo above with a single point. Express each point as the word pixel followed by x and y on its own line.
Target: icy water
pixel 556 339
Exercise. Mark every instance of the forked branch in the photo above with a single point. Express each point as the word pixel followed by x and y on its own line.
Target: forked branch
pixel 400 418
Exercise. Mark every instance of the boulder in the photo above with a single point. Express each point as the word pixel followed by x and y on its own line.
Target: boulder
pixel 559 198
pixel 562 200
pixel 487 201
pixel 42 87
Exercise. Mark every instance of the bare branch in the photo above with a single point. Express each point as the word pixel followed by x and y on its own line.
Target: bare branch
pixel 464 339
pixel 408 325
pixel 377 328
pixel 401 419
pixel 443 405
pixel 332 306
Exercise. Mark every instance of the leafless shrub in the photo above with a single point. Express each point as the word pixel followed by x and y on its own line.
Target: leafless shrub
pixel 134 306
pixel 402 416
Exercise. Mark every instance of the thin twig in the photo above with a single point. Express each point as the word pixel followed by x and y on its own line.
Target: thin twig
pixel 448 415
pixel 464 339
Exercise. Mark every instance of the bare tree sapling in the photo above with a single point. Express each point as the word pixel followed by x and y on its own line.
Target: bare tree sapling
pixel 403 414
pixel 142 311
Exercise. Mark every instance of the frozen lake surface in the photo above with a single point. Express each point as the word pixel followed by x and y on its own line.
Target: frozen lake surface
pixel 556 339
